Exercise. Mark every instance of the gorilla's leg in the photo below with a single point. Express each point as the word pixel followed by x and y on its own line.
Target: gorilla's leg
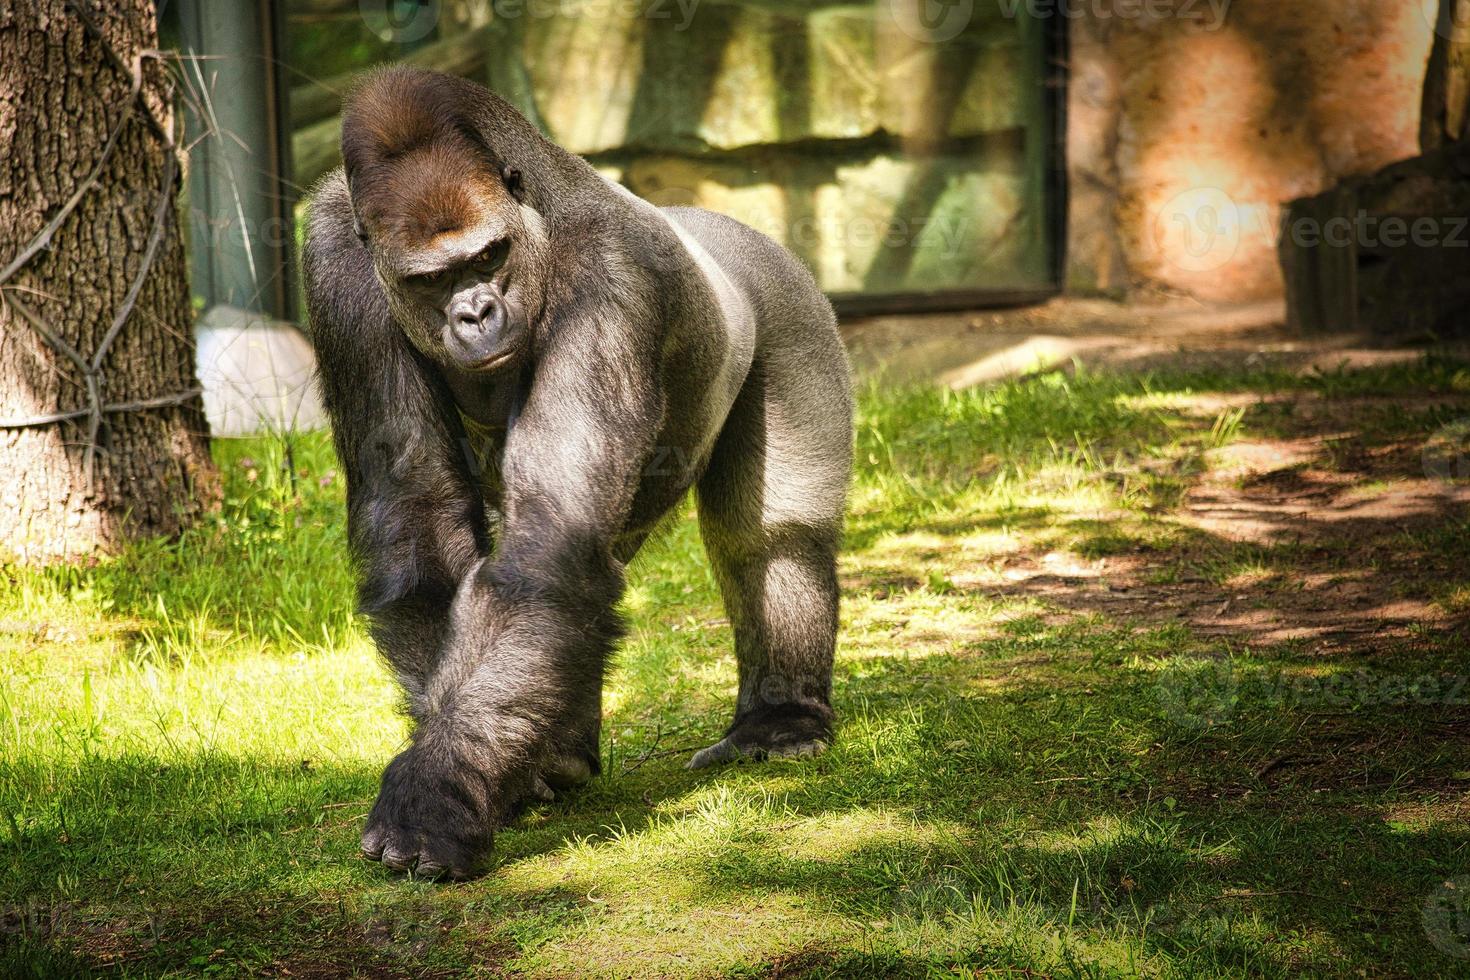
pixel 770 510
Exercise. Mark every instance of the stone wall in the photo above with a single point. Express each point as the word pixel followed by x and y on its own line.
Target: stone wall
pixel 1192 122
pixel 902 145
pixel 888 159
pixel 891 153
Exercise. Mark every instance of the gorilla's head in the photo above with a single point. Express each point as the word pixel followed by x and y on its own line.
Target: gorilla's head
pixel 455 249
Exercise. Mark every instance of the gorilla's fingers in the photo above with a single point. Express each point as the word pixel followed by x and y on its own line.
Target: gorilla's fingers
pixel 373 840
pixel 398 860
pixel 434 816
pixel 427 869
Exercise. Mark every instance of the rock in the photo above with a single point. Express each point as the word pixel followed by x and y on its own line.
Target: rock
pixel 745 76
pixel 1388 254
pixel 1192 124
pixel 315 149
pixel 257 374
pixel 583 69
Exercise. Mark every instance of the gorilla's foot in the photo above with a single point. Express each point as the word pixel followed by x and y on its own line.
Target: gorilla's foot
pixel 433 818
pixel 568 771
pixel 785 731
pixel 561 773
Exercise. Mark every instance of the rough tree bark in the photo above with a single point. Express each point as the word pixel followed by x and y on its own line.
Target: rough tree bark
pixel 62 96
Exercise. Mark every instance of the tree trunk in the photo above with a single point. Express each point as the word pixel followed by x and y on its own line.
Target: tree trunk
pixel 1446 108
pixel 141 466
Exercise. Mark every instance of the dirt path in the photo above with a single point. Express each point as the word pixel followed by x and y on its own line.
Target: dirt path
pixel 962 349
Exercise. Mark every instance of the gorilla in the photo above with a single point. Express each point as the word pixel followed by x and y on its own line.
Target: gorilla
pixel 527 367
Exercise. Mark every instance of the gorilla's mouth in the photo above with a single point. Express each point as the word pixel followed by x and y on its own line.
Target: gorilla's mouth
pixel 495 360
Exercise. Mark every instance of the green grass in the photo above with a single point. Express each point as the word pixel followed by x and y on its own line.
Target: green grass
pixel 1027 781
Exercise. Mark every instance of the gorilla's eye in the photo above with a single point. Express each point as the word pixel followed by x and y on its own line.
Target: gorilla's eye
pixel 494 253
pixel 427 278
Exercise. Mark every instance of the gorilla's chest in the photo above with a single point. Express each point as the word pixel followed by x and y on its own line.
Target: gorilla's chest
pixel 486 409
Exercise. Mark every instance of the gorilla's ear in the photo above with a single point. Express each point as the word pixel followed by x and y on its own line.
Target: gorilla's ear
pixel 512 179
pixel 357 228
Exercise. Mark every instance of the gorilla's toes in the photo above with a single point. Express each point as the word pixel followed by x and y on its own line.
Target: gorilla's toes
pixel 798 750
pixel 721 751
pixel 425 856
pixel 727 751
pixel 784 732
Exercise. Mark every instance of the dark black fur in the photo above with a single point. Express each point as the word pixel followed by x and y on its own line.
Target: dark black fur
pixel 491 513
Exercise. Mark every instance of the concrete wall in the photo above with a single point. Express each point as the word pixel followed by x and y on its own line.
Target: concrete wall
pixel 1192 122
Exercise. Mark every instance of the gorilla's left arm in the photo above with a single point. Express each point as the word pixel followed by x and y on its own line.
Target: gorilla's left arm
pixel 517 694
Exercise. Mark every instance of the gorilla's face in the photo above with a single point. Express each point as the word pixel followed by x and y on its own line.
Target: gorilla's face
pixel 461 300
pixel 458 263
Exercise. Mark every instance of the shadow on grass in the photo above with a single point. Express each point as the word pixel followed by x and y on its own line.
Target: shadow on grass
pixel 1095 811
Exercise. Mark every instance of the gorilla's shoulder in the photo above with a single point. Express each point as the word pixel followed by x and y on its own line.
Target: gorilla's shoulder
pixel 714 228
pixel 343 296
pixel 329 211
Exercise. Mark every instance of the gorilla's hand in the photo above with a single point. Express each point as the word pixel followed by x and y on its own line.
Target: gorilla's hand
pixel 435 816
pixel 436 813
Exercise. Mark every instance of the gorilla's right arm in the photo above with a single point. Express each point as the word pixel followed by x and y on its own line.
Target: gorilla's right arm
pixel 415 519
pixel 516 695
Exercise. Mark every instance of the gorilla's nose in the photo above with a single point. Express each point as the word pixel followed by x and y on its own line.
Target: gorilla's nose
pixel 476 313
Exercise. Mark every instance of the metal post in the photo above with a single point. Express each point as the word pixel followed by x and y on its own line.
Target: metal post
pixel 240 202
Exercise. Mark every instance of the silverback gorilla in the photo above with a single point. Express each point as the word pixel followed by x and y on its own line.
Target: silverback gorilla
pixel 527 367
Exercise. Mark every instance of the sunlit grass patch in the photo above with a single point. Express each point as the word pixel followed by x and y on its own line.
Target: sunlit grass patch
pixel 1038 771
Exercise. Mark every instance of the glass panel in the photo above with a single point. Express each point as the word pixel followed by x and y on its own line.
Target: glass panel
pixel 898 147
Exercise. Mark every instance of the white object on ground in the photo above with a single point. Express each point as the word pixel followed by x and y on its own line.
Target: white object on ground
pixel 257 374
